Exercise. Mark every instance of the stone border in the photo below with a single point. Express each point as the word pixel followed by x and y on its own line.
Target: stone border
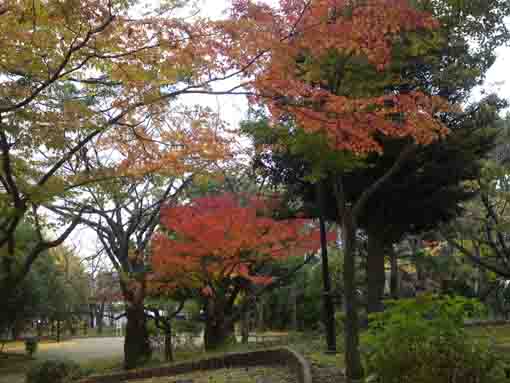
pixel 269 357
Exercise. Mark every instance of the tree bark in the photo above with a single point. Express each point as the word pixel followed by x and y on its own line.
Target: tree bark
pixel 218 327
pixel 354 369
pixel 136 343
pixel 137 348
pixel 376 277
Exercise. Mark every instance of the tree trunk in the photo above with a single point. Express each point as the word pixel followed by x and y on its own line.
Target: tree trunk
pixel 169 355
pixel 354 369
pixel 245 326
pixel 100 318
pixel 376 277
pixel 260 314
pixel 293 307
pixel 92 316
pixel 218 328
pixel 58 331
pixel 136 343
pixel 394 277
pixel 329 308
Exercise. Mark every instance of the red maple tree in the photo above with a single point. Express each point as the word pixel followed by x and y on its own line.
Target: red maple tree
pixel 218 246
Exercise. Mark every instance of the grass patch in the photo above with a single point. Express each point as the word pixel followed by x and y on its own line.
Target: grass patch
pixel 101 366
pixel 232 375
pixel 11 363
pixel 499 334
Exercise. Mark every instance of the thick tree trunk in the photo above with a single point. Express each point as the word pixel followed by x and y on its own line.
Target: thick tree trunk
pixel 354 369
pixel 218 327
pixel 376 277
pixel 137 347
pixel 136 343
pixel 218 333
pixel 394 277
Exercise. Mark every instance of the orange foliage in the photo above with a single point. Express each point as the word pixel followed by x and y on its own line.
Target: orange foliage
pixel 275 38
pixel 215 239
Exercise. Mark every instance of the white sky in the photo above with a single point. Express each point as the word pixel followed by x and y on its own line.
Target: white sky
pixel 233 110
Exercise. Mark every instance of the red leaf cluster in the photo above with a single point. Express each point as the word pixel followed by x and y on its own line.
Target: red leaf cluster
pixel 214 239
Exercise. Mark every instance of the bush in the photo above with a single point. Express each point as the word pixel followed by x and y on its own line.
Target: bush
pixel 422 340
pixel 31 345
pixel 54 371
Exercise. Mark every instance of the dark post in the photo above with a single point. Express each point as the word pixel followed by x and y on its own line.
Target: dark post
pixel 329 308
pixel 58 330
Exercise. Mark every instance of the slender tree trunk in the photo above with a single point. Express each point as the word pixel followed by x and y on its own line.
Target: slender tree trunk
pixel 92 316
pixel 329 308
pixel 260 315
pixel 100 318
pixel 169 354
pixel 245 326
pixel 376 277
pixel 58 331
pixel 354 369
pixel 293 307
pixel 394 277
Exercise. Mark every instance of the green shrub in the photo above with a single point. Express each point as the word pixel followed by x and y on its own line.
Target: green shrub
pixel 422 340
pixel 54 371
pixel 31 345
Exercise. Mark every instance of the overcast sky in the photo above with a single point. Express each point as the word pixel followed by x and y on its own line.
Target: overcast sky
pixel 233 109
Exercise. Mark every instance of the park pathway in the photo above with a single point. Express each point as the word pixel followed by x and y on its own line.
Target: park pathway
pixel 78 350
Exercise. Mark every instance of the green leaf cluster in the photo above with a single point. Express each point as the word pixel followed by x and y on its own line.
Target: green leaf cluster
pixel 422 340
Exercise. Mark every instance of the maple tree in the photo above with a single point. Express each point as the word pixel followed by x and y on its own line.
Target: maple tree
pixel 311 49
pixel 219 246
pixel 88 92
pixel 89 75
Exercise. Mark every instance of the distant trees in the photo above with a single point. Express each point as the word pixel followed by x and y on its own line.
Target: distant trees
pixel 56 290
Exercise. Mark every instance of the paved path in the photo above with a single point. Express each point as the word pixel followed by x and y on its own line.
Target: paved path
pixel 83 350
pixel 79 350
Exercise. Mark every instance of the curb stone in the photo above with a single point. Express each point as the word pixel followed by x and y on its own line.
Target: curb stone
pixel 275 356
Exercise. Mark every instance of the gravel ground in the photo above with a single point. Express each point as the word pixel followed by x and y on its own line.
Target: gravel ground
pixel 326 374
